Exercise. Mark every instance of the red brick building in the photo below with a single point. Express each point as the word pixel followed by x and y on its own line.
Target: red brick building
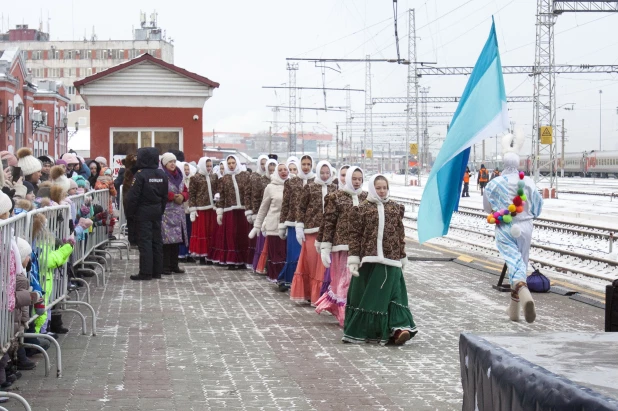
pixel 145 102
pixel 30 115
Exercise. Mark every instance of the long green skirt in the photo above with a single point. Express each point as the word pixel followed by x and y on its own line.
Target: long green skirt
pixel 377 305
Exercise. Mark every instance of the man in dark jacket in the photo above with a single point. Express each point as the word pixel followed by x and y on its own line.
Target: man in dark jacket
pixel 146 202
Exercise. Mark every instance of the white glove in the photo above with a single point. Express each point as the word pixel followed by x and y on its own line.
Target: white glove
pixel 217 197
pixel 263 230
pixel 353 267
pixel 220 216
pixel 283 231
pixel 300 235
pixel 325 255
pixel 254 232
pixel 193 216
pixel 404 262
pixel 250 219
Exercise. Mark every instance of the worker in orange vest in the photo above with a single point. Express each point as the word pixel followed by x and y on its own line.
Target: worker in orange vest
pixel 466 181
pixel 483 178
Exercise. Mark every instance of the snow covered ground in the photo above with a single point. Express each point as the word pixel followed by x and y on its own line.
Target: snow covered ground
pixel 572 208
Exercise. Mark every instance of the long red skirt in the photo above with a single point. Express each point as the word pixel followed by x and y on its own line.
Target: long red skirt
pixel 214 232
pixel 198 245
pixel 276 256
pixel 232 242
pixel 309 273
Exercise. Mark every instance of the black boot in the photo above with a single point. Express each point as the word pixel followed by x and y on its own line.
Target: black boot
pixel 203 261
pixel 56 325
pixel 190 259
pixel 141 277
pixel 174 267
pixel 166 260
pixel 23 362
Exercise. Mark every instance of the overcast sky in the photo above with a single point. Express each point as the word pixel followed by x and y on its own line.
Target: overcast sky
pixel 243 45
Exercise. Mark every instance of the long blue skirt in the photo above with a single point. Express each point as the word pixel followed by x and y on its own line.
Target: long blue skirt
pixel 183 251
pixel 293 252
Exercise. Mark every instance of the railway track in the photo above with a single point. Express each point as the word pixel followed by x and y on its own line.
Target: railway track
pixel 566 255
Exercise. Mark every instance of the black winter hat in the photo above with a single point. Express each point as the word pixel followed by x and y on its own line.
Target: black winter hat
pixel 273 157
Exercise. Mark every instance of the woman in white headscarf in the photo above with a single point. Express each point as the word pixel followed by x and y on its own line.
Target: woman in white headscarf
pixel 287 220
pixel 202 213
pixel 232 243
pixel 253 198
pixel 267 220
pixel 377 306
pixel 335 236
pixel 309 274
pixel 188 171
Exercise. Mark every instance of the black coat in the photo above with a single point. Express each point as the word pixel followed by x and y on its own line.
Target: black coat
pixel 147 197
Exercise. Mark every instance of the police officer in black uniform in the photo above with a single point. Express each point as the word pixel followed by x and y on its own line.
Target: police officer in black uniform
pixel 145 205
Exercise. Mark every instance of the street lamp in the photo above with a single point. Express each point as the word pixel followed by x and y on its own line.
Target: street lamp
pixel 600 112
pixel 10 118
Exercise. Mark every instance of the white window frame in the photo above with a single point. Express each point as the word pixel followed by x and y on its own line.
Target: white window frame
pixel 139 136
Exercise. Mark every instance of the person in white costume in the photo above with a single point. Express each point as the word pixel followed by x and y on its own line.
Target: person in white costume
pixel 513 238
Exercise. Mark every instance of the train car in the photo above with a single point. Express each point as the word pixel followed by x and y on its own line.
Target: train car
pixel 602 164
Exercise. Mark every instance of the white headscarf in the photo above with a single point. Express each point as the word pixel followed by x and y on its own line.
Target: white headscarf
pixel 201 167
pixel 349 188
pixel 373 195
pixel 318 180
pixel 236 171
pixel 269 162
pixel 275 178
pixel 259 167
pixel 292 160
pixel 310 174
pixel 339 173
pixel 238 168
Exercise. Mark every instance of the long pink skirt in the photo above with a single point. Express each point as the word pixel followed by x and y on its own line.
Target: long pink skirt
pixel 334 300
pixel 309 273
pixel 232 242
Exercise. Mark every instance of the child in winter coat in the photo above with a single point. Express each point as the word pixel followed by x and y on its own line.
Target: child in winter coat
pixel 105 181
pixel 377 306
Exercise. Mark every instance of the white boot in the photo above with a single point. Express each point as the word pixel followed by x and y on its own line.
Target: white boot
pixel 528 304
pixel 513 310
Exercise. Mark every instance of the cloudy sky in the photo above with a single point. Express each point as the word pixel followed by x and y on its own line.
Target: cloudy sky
pixel 244 44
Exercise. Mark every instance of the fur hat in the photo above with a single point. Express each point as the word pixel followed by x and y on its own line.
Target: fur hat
pixel 273 156
pixel 70 158
pixel 56 174
pixel 38 224
pixel 56 192
pixel 166 158
pixel 102 161
pixel 25 249
pixel 23 205
pixel 28 163
pixel 130 161
pixel 5 203
pixel 46 159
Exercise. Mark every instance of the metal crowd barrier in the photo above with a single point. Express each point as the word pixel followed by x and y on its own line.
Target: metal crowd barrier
pixel 9 230
pixel 86 253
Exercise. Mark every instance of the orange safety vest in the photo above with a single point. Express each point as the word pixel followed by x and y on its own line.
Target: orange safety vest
pixel 483 175
pixel 466 177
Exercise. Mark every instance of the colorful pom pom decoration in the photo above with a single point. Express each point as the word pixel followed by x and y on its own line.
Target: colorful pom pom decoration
pixel 506 216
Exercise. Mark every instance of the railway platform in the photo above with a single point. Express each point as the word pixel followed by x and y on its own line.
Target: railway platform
pixel 214 339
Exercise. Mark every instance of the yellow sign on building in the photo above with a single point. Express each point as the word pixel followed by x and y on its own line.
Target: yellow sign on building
pixel 414 148
pixel 547 135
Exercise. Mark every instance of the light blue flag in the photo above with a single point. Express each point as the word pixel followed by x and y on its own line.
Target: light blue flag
pixel 481 113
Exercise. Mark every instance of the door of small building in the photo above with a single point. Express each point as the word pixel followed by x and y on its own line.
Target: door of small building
pixel 127 141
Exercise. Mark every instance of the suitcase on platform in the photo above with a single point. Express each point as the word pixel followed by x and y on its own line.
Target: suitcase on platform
pixel 611 307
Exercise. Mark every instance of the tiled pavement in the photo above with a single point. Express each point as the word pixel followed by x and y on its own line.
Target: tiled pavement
pixel 214 340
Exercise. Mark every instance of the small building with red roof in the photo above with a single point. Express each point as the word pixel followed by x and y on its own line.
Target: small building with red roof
pixel 145 102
